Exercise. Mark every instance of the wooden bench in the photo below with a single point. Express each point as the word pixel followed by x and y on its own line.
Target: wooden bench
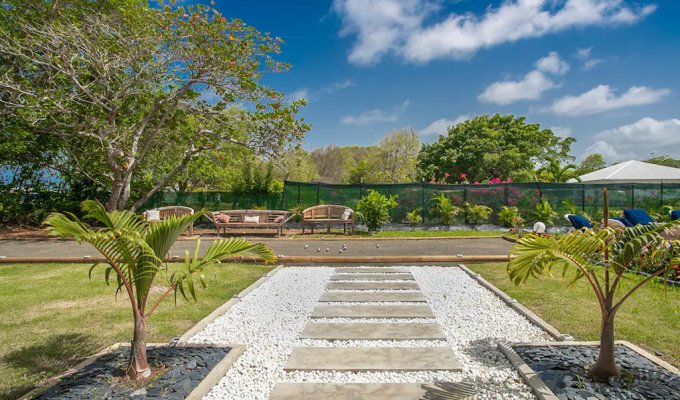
pixel 169 211
pixel 227 219
pixel 327 215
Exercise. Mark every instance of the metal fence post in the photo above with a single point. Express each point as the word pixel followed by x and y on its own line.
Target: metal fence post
pixel 422 200
pixel 318 193
pixel 583 198
pixel 661 195
pixel 632 192
pixel 299 185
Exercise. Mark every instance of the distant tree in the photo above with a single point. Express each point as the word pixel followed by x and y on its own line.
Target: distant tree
pixel 333 163
pixel 360 173
pixel 591 163
pixel 553 171
pixel 490 147
pixel 297 165
pixel 116 80
pixel 398 156
pixel 665 160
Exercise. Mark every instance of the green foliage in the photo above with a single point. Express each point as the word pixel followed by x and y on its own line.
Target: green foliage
pixel 135 250
pixel 415 216
pixel 397 156
pixel 443 209
pixel 490 146
pixel 591 163
pixel 256 179
pixel 553 171
pixel 665 161
pixel 510 217
pixel 544 212
pixel 374 209
pixel 477 213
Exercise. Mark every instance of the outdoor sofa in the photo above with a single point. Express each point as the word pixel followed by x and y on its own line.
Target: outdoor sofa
pixel 235 219
pixel 328 215
pixel 161 213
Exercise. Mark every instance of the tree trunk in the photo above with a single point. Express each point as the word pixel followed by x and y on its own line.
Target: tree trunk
pixel 138 368
pixel 116 189
pixel 605 367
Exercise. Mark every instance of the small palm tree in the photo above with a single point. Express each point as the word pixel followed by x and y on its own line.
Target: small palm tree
pixel 555 172
pixel 602 257
pixel 135 252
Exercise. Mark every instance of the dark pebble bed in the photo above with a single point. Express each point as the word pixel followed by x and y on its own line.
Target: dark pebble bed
pixel 185 367
pixel 564 369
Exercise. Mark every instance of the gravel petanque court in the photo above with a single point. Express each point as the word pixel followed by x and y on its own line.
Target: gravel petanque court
pixel 312 333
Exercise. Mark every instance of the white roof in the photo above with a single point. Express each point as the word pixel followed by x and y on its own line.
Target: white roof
pixel 633 171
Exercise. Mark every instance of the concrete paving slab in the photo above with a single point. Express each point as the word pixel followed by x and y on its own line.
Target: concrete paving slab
pixel 372 311
pixel 372 359
pixel 370 270
pixel 372 277
pixel 373 331
pixel 362 297
pixel 409 285
pixel 373 391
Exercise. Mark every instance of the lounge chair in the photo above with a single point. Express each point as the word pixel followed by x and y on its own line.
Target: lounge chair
pixel 638 216
pixel 161 213
pixel 578 222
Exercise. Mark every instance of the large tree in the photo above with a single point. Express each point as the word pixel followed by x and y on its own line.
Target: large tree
pixel 115 81
pixel 398 156
pixel 487 147
pixel 591 163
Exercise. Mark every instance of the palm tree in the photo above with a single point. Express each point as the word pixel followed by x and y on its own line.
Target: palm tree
pixel 555 172
pixel 135 250
pixel 602 257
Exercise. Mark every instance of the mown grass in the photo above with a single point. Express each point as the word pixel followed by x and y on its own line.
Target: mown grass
pixel 52 316
pixel 650 317
pixel 399 234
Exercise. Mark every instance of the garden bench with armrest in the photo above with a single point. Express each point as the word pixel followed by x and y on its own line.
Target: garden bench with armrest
pixel 161 213
pixel 327 215
pixel 229 219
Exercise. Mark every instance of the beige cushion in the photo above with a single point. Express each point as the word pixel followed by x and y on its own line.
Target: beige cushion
pixel 278 219
pixel 153 215
pixel 615 223
pixel 251 219
pixel 222 218
pixel 346 214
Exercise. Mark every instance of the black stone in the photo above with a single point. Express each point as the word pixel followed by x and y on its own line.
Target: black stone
pixel 185 368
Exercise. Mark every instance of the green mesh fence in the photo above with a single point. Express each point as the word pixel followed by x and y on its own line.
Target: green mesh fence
pixel 563 197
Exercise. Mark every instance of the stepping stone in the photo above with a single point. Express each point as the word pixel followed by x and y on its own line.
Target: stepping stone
pixel 372 277
pixel 373 391
pixel 372 359
pixel 361 297
pixel 373 331
pixel 372 311
pixel 410 285
pixel 370 270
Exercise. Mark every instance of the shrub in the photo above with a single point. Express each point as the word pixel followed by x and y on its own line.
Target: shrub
pixel 414 217
pixel 510 217
pixel 544 212
pixel 374 209
pixel 477 213
pixel 443 209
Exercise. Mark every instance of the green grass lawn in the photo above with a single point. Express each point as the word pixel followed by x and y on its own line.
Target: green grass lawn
pixel 396 234
pixel 650 317
pixel 52 316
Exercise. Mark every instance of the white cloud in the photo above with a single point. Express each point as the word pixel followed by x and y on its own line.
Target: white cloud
pixel 309 94
pixel 602 99
pixel 440 126
pixel 638 140
pixel 590 64
pixel 399 26
pixel 376 115
pixel 561 131
pixel 531 87
pixel 552 64
pixel 584 54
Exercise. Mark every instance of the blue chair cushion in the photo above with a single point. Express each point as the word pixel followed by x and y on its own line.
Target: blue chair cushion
pixel 675 214
pixel 624 221
pixel 638 216
pixel 579 222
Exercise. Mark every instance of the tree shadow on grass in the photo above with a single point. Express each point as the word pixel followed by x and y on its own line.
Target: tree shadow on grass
pixel 50 357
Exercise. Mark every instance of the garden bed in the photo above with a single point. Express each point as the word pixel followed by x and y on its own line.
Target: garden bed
pixel 181 372
pixel 563 368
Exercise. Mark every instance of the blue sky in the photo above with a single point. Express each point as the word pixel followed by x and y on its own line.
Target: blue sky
pixel 602 71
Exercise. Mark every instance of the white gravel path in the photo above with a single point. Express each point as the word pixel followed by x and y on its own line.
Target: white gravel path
pixel 269 319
